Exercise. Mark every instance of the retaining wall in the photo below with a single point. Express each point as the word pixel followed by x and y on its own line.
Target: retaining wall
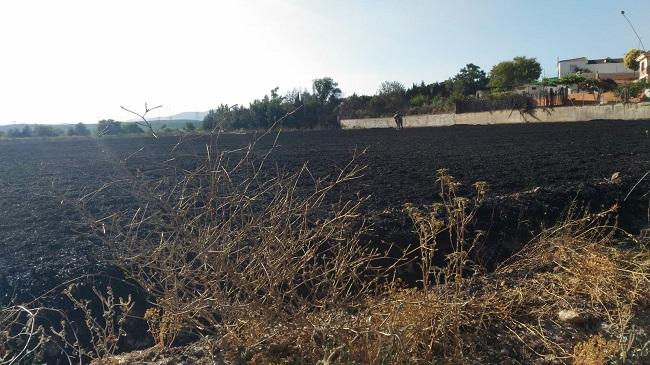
pixel 557 114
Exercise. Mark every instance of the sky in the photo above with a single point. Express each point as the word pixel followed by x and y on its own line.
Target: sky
pixel 71 61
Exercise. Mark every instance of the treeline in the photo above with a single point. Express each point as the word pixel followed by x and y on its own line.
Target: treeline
pixel 324 105
pixel 38 130
pixel 441 97
pixel 300 109
pixel 110 127
pixel 104 127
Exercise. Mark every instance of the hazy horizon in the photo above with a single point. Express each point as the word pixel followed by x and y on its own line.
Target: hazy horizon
pixel 79 61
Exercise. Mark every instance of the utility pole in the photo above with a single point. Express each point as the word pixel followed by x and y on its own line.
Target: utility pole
pixel 634 30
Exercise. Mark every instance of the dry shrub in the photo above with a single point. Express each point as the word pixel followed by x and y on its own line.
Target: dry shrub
pixel 28 334
pixel 104 318
pixel 231 248
pixel 451 217
pixel 595 351
pixel 21 337
pixel 279 280
pixel 513 313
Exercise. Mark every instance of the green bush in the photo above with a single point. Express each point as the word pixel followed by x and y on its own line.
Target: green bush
pixel 418 100
pixel 107 127
pixel 45 131
pixel 79 129
pixel 131 128
pixel 630 91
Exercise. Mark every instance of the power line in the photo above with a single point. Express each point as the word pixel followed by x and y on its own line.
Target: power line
pixel 634 30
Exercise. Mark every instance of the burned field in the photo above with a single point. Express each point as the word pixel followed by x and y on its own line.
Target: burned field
pixel 534 173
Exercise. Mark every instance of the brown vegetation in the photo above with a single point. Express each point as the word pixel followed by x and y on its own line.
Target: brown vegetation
pixel 301 293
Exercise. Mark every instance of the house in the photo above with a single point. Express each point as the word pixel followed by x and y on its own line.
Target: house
pixel 603 68
pixel 643 60
pixel 528 89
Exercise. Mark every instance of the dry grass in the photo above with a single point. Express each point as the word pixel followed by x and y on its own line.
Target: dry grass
pixel 226 247
pixel 461 315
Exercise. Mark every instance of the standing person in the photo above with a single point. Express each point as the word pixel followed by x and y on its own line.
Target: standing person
pixel 399 121
pixel 552 97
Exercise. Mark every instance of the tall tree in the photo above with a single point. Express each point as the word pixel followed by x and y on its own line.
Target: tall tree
pixel 327 93
pixel 45 131
pixel 108 127
pixel 326 90
pixel 469 80
pixel 79 129
pixel 629 60
pixel 391 88
pixel 527 69
pixel 391 97
pixel 507 75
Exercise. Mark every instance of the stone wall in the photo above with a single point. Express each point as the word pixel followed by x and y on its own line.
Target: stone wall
pixel 558 114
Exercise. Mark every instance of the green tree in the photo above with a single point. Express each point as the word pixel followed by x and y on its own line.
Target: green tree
pixel 13 133
pixel 25 132
pixel 108 127
pixel 571 79
pixel 469 80
pixel 418 100
pixel 210 120
pixel 391 88
pixel 45 131
pixel 550 81
pixel 502 76
pixel 633 90
pixel 131 128
pixel 326 90
pixel 79 129
pixel 190 127
pixel 597 86
pixel 629 60
pixel 507 75
pixel 320 108
pixel 527 69
pixel 328 96
pixel 393 97
pixel 227 117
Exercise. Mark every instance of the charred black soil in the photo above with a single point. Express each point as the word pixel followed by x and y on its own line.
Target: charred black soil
pixel 534 171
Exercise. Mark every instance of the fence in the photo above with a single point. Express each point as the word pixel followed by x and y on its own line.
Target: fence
pixel 525 101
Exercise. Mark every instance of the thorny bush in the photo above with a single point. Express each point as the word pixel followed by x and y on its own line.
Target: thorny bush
pixel 228 244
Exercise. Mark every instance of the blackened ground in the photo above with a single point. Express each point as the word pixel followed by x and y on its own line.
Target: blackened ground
pixel 44 241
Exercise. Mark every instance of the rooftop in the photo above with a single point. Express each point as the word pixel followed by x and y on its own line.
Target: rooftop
pixel 595 61
pixel 573 59
pixel 605 60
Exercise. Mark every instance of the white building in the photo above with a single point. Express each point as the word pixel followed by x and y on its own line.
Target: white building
pixel 643 66
pixel 604 68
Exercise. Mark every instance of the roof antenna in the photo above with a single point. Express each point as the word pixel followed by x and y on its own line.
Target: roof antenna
pixel 634 30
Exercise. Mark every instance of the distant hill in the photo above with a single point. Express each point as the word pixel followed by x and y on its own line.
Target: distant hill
pixel 180 116
pixel 155 124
